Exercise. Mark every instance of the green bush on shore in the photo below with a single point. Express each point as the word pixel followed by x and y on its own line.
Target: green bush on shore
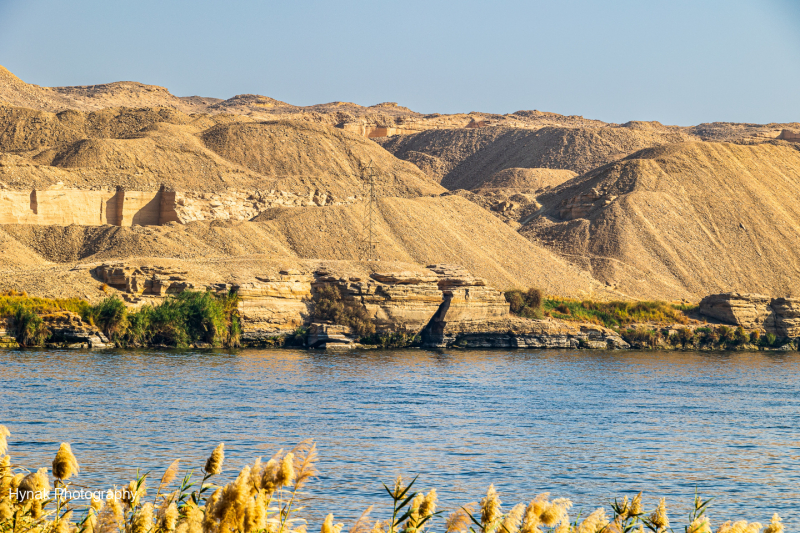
pixel 188 318
pixel 527 304
pixel 532 304
pixel 179 321
pixel 330 306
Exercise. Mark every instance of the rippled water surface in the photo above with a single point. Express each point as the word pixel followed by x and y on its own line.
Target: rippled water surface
pixel 586 425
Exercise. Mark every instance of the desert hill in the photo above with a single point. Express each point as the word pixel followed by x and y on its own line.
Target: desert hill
pixel 142 149
pixel 463 159
pixel 682 220
pixel 416 231
pixel 129 172
pixel 525 179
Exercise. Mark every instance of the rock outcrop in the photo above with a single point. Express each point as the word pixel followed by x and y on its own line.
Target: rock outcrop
pixel 751 311
pixel 514 332
pixel 143 280
pixel 780 316
pixel 62 207
pixel 790 135
pixel 274 305
pixel 70 331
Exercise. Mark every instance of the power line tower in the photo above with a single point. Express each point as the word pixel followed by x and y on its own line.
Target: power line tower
pixel 369 244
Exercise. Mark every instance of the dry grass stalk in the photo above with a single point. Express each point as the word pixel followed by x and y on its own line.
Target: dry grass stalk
pixel 262 499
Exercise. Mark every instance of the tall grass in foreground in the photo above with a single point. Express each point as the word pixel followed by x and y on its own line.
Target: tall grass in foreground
pixel 267 497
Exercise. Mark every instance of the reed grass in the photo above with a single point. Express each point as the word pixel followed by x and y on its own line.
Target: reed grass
pixel 270 497
pixel 616 314
pixel 531 303
pixel 12 301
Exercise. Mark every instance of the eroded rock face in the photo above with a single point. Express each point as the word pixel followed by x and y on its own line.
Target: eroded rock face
pixel 787 316
pixel 780 316
pixel 243 205
pixel 394 300
pixel 274 305
pixel 144 280
pixel 514 332
pixel 751 311
pixel 790 135
pixel 466 300
pixel 68 329
pixel 60 206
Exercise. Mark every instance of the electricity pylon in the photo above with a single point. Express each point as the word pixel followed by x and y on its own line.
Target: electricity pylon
pixel 369 244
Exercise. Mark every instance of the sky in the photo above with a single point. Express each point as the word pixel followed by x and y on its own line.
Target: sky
pixel 677 61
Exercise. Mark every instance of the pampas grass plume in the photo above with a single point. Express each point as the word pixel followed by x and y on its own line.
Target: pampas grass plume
pixel 490 507
pixel 65 465
pixel 4 434
pixel 215 460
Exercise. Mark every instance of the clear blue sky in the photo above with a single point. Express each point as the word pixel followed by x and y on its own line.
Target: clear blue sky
pixel 676 61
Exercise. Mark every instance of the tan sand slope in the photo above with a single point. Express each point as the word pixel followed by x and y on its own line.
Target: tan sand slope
pixel 683 221
pixel 525 179
pixel 463 159
pixel 421 230
pixel 141 149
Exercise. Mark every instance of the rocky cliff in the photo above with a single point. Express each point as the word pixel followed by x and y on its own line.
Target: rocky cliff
pixel 780 316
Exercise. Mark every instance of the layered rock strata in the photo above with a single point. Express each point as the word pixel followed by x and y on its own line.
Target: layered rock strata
pixel 514 332
pixel 61 207
pixel 274 306
pixel 780 316
pixel 68 330
pixel 143 280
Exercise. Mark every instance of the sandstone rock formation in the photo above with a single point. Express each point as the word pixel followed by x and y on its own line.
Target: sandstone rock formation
pixel 751 311
pixel 790 135
pixel 514 332
pixel 274 305
pixel 780 316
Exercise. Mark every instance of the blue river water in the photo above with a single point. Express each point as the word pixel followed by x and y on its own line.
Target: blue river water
pixel 579 424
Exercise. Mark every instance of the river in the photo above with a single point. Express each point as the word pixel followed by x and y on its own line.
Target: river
pixel 586 425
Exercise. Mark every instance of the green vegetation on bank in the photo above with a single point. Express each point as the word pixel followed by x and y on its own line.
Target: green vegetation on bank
pixel 531 304
pixel 189 318
pixel 719 337
pixel 12 301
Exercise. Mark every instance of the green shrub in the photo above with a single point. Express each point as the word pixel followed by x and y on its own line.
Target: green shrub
pixel 139 331
pixel 29 328
pixel 769 339
pixel 726 334
pixel 740 336
pixel 298 337
pixel 755 337
pixel 330 306
pixel 111 316
pixel 686 336
pixel 615 314
pixel 642 337
pixel 392 339
pixel 526 304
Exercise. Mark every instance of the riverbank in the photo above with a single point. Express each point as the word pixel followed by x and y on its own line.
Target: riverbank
pixel 335 319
